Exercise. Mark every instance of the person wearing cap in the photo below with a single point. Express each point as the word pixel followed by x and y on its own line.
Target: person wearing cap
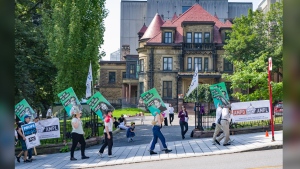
pixel 218 126
pixel 77 134
pixel 23 143
pixel 108 127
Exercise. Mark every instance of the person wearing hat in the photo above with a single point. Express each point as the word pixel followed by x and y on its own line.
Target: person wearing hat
pixel 77 134
pixel 22 139
pixel 108 127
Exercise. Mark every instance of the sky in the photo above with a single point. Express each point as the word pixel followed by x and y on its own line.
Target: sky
pixel 112 25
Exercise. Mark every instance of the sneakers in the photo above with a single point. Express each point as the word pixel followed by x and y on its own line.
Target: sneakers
pixel 167 151
pixel 100 154
pixel 111 156
pixel 227 144
pixel 130 140
pixel 217 142
pixel 152 152
pixel 18 159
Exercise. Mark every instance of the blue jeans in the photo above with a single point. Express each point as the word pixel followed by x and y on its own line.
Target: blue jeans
pixel 157 134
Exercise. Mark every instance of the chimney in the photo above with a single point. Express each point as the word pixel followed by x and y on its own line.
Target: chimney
pixel 125 51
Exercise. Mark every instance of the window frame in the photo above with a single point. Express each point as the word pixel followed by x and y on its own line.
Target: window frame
pixel 226 65
pixel 168 39
pixel 167 90
pixel 190 33
pixel 169 60
pixel 198 38
pixel 205 38
pixel 206 64
pixel 190 63
pixel 141 65
pixel 123 73
pixel 109 78
pixel 197 63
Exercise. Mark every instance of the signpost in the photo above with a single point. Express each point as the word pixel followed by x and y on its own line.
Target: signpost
pixel 270 94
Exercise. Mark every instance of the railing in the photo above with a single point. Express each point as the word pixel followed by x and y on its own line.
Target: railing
pixel 199 71
pixel 198 46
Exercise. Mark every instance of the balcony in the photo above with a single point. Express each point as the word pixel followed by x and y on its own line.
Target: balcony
pixel 198 46
pixel 208 73
pixel 130 78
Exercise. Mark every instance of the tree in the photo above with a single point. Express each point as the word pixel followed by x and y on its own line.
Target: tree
pixel 34 73
pixel 204 94
pixel 252 41
pixel 74 31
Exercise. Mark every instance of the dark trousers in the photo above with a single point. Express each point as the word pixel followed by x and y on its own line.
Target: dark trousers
pixel 75 139
pixel 171 116
pixel 108 142
pixel 183 125
pixel 157 134
pixel 166 121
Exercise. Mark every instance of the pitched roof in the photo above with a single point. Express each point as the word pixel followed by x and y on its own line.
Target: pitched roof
pixel 174 17
pixel 168 24
pixel 143 29
pixel 227 24
pixel 154 27
pixel 194 14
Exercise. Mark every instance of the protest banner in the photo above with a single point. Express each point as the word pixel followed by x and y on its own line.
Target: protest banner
pixel 69 100
pixel 250 111
pixel 219 94
pixel 47 129
pixel 32 139
pixel 22 109
pixel 153 101
pixel 99 104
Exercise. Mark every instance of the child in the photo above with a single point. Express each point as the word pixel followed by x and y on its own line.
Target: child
pixel 130 132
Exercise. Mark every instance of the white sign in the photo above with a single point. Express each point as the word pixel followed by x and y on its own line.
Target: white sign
pixel 194 83
pixel 49 128
pixel 32 139
pixel 270 64
pixel 250 111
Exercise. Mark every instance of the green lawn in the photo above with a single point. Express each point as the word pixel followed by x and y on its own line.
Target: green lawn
pixel 129 111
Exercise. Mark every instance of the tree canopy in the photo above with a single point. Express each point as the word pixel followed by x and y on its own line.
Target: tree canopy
pixel 255 38
pixel 74 31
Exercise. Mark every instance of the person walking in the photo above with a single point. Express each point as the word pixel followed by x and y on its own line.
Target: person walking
pixel 108 123
pixel 171 113
pixel 77 134
pixel 218 126
pixel 49 113
pixel 225 119
pixel 183 121
pixel 157 123
pixel 165 115
pixel 22 139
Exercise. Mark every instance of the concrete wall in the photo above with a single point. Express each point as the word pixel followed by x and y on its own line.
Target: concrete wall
pixel 132 20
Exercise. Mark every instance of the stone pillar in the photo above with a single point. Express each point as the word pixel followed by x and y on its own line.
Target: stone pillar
pixel 126 93
pixel 129 93
pixel 123 91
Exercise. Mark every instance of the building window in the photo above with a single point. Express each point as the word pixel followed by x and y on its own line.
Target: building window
pixel 167 89
pixel 227 65
pixel 112 77
pixel 206 37
pixel 184 8
pixel 189 62
pixel 168 37
pixel 141 87
pixel 227 36
pixel 142 65
pixel 198 62
pixel 205 64
pixel 198 37
pixel 132 69
pixel 124 75
pixel 167 64
pixel 188 37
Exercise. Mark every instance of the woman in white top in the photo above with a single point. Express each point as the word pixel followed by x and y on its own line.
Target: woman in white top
pixel 77 134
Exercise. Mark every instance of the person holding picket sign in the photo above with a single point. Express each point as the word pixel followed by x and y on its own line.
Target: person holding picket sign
pixel 77 134
pixel 22 139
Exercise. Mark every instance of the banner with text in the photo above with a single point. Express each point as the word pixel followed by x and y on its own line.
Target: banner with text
pixel 32 139
pixel 219 94
pixel 250 111
pixel 99 104
pixel 22 109
pixel 153 101
pixel 69 100
pixel 47 129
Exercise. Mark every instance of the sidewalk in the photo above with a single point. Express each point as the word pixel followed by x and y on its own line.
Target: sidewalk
pixel 139 153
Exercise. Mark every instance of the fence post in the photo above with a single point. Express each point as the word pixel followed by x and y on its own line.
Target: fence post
pixel 65 125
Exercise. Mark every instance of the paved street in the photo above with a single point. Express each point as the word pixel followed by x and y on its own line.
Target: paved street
pixel 268 159
pixel 137 151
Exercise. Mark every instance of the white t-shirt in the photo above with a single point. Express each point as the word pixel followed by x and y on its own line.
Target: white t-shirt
pixel 218 114
pixel 109 125
pixel 79 129
pixel 225 114
pixel 171 110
